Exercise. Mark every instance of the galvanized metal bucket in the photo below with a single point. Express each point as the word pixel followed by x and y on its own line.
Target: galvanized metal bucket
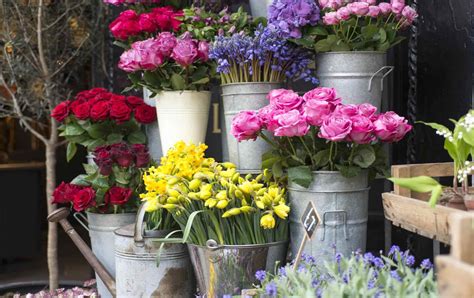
pixel 358 77
pixel 137 273
pixel 228 269
pixel 247 155
pixel 152 130
pixel 342 205
pixel 259 8
pixel 101 229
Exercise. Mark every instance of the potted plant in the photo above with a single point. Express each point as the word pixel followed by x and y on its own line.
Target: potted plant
pixel 96 117
pixel 330 151
pixel 351 40
pixel 250 67
pixel 233 225
pixel 108 193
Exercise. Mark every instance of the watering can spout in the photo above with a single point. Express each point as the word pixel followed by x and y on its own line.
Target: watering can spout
pixel 60 215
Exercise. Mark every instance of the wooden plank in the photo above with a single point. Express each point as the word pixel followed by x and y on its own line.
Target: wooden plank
pixel 444 169
pixel 455 278
pixel 22 166
pixel 418 217
pixel 401 172
pixel 462 240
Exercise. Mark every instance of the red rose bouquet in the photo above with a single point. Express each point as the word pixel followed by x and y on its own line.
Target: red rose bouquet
pixel 111 185
pixel 96 117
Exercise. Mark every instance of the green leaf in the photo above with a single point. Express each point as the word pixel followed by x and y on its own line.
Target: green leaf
pixel 101 182
pixel 317 30
pixel 71 151
pixel 369 31
pixel 201 81
pixel 94 144
pixel 348 171
pixel 340 46
pixel 268 159
pixel 435 195
pixel 73 129
pixel 383 47
pixel 177 81
pixel 383 35
pixel 321 158
pixel 97 131
pixel 114 138
pixel 364 156
pixel 90 169
pixel 325 45
pixel 418 184
pixel 277 169
pixel 151 78
pixel 121 44
pixel 137 137
pixel 80 180
pixel 301 175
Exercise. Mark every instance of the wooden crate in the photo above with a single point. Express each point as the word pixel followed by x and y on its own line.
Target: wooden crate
pixel 411 211
pixel 455 272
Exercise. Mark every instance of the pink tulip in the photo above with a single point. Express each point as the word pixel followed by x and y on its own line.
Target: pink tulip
pixel 343 14
pixel 358 8
pixel 374 11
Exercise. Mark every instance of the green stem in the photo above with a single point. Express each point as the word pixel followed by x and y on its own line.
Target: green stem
pixel 351 156
pixel 309 151
pixel 331 164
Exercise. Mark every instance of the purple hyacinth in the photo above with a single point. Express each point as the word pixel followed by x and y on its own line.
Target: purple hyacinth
pixel 394 275
pixel 426 264
pixel 308 259
pixel 394 249
pixel 410 260
pixel 289 16
pixel 368 257
pixel 378 262
pixel 260 275
pixel 282 271
pixel 271 289
pixel 338 257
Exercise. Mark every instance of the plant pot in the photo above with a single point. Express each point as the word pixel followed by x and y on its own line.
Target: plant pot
pixel 228 269
pixel 259 8
pixel 137 272
pixel 246 155
pixel 152 130
pixel 182 116
pixel 469 202
pixel 457 203
pixel 101 229
pixel 358 77
pixel 342 205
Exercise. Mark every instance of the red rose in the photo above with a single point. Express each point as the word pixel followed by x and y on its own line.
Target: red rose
pixel 96 91
pixel 125 25
pixel 118 195
pixel 100 111
pixel 147 23
pixel 145 114
pixel 120 111
pixel 83 199
pixel 115 97
pixel 166 18
pixel 61 111
pixel 142 157
pixel 64 193
pixel 82 111
pixel 103 159
pixel 101 97
pixel 134 101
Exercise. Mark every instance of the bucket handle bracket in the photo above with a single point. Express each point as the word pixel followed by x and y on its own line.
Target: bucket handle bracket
pixel 344 222
pixel 387 69
pixel 82 220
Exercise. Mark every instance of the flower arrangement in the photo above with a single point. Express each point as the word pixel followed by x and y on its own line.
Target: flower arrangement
pixel 96 117
pixel 111 185
pixel 361 25
pixel 263 57
pixel 130 2
pixel 213 201
pixel 356 276
pixel 317 132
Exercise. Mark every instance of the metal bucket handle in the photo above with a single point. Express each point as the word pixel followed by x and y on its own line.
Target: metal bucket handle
pixel 82 220
pixel 344 221
pixel 139 228
pixel 390 69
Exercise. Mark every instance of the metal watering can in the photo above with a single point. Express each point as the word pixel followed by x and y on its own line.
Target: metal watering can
pixel 135 256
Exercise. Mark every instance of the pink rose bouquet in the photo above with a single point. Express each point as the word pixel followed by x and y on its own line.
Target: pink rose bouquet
pixel 318 132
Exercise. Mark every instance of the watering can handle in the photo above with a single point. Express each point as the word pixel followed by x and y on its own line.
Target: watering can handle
pixel 82 220
pixel 138 233
pixel 389 70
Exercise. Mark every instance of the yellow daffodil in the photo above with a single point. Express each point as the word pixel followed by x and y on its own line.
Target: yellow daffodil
pixel 173 193
pixel 222 204
pixel 260 204
pixel 267 221
pixel 281 211
pixel 195 184
pixel 221 195
pixel 151 205
pixel 247 209
pixel 231 212
pixel 246 187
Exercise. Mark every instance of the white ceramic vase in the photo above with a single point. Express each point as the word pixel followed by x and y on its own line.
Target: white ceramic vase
pixel 182 116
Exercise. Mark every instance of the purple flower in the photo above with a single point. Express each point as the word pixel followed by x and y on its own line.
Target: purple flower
pixel 282 271
pixel 308 259
pixel 260 275
pixel 426 264
pixel 394 249
pixel 378 262
pixel 289 16
pixel 410 260
pixel 338 257
pixel 368 257
pixel 271 289
pixel 227 296
pixel 394 275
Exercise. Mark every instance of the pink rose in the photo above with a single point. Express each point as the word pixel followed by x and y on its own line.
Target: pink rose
pixel 330 18
pixel 367 110
pixel 166 42
pixel 390 127
pixel 267 116
pixel 149 53
pixel 409 14
pixel 323 93
pixel 129 61
pixel 347 110
pixel 125 25
pixel 316 111
pixel 336 128
pixel 332 4
pixel 291 124
pixel 362 130
pixel 385 8
pixel 374 11
pixel 285 99
pixel 343 14
pixel 246 125
pixel 397 6
pixel 203 51
pixel 370 2
pixel 185 52
pixel 358 8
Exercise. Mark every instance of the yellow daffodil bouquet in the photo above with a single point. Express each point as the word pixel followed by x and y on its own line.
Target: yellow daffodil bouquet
pixel 211 200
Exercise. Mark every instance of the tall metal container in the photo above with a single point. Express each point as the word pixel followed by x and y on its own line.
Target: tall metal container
pixel 247 155
pixel 101 229
pixel 342 204
pixel 358 77
pixel 228 269
pixel 259 8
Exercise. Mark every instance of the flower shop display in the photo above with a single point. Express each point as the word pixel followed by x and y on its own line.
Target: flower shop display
pixel 351 40
pixel 96 117
pixel 108 192
pixel 358 275
pixel 330 151
pixel 233 225
pixel 250 67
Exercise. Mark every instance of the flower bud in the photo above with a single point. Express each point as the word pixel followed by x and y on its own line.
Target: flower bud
pixel 228 165
pixel 260 204
pixel 247 209
pixel 210 203
pixel 173 181
pixel 281 211
pixel 194 184
pixel 221 195
pixel 267 221
pixel 172 200
pixel 173 193
pixel 231 212
pixel 235 177
pixel 222 204
pixel 169 206
pixel 193 195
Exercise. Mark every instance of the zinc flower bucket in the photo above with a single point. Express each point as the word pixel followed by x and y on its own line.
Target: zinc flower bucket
pixel 342 205
pixel 259 8
pixel 182 116
pixel 358 76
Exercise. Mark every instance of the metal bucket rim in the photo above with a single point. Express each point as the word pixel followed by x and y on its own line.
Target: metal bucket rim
pixel 352 53
pixel 252 83
pixel 110 214
pixel 185 91
pixel 277 243
pixel 122 232
pixel 364 171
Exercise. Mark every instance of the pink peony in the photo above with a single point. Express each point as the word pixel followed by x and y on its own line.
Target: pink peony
pixel 374 11
pixel 291 124
pixel 358 8
pixel 367 110
pixel 385 8
pixel 323 93
pixel 390 127
pixel 316 111
pixel 347 110
pixel 343 14
pixel 203 51
pixel 166 42
pixel 397 6
pixel 362 130
pixel 285 99
pixel 185 52
pixel 246 125
pixel 330 18
pixel 336 128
